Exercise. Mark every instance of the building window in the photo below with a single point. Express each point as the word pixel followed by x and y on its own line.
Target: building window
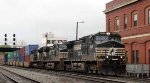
pixel 135 20
pixel 137 57
pixel 59 41
pixel 132 57
pixel 149 16
pixel 117 23
pixel 48 41
pixel 125 21
pixel 109 25
pixel 53 41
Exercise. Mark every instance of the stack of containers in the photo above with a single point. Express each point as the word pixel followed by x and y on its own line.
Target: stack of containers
pixel 1 58
pixel 10 58
pixel 4 59
pixel 28 50
pixel 16 57
pixel 22 56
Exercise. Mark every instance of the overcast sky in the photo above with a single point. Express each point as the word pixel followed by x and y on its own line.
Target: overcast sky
pixel 29 19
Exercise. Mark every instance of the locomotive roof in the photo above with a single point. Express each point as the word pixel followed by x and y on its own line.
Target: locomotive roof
pixel 70 42
pixel 45 49
pixel 110 43
pixel 108 34
pixel 88 36
pixel 111 34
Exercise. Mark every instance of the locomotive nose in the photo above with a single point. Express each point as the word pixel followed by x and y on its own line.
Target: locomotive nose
pixel 111 51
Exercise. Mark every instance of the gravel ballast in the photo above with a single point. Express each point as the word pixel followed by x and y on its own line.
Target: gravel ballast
pixel 44 78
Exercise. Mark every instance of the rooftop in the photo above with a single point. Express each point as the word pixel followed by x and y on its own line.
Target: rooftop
pixel 115 4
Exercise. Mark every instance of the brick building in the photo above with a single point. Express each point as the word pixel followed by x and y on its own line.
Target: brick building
pixel 131 18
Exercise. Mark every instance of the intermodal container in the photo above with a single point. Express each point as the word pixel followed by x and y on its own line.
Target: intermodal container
pixel 27 59
pixel 9 55
pixel 29 48
pixel 21 58
pixel 4 59
pixel 16 53
pixel 1 58
pixel 16 58
pixel 22 51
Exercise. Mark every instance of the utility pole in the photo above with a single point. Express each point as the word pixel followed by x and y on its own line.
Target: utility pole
pixel 77 29
pixel 46 36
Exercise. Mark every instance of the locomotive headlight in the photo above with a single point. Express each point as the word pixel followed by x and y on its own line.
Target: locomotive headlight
pixel 107 57
pixel 108 33
pixel 121 57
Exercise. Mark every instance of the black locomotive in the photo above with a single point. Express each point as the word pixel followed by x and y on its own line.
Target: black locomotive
pixel 101 53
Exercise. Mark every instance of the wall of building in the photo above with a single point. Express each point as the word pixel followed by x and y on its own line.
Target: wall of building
pixel 51 39
pixel 134 38
pixel 115 3
pixel 139 6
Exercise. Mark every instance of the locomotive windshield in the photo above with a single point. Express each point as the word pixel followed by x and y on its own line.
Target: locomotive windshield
pixel 115 39
pixel 106 38
pixel 62 47
pixel 77 47
pixel 101 38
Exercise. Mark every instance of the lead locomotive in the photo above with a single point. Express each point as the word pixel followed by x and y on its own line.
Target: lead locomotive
pixel 101 53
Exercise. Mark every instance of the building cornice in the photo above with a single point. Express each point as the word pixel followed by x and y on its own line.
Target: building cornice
pixel 127 2
pixel 136 36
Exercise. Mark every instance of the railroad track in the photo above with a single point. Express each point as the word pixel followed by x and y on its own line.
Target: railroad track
pixel 89 77
pixel 16 78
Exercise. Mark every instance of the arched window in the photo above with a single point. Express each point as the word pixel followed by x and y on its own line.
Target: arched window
pixel 147 15
pixel 125 21
pixel 117 24
pixel 135 19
